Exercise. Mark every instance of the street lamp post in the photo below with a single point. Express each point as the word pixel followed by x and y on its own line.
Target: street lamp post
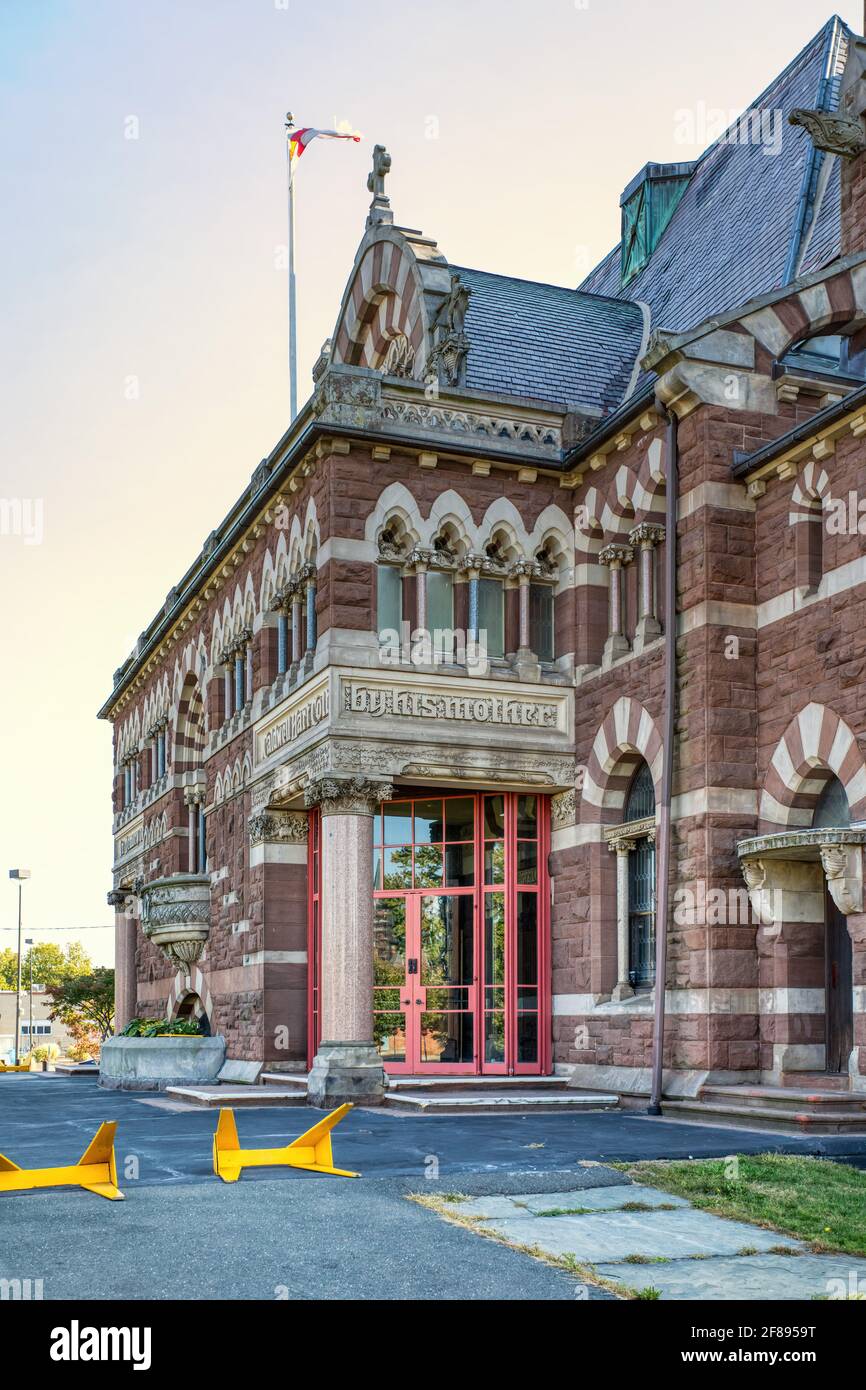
pixel 19 875
pixel 28 941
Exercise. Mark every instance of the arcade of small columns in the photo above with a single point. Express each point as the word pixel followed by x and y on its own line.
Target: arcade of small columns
pixel 469 568
pixel 615 557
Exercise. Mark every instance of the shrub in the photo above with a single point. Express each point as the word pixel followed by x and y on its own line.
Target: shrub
pixel 159 1027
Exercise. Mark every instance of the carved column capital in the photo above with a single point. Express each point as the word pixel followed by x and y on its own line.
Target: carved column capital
pixel 616 556
pixel 347 796
pixel 646 534
pixel 420 558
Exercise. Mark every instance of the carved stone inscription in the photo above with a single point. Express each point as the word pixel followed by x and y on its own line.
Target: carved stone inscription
pixel 383 703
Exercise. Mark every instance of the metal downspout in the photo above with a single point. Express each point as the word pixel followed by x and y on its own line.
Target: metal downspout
pixel 664 832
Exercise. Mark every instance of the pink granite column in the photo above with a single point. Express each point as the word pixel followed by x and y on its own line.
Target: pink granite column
pixel 125 980
pixel 347 1066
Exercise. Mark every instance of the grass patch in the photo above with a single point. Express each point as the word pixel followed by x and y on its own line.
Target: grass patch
pixel 568 1211
pixel 809 1198
pixel 646 1260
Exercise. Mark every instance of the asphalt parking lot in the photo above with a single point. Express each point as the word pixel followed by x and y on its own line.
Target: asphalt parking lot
pixel 183 1234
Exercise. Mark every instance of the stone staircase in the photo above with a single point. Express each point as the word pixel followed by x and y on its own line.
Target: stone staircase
pixel 490 1095
pixel 816 1104
pixel 433 1095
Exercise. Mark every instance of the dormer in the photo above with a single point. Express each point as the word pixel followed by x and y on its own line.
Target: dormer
pixel 648 203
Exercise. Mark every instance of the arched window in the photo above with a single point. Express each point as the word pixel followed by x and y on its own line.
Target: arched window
pixel 641 887
pixel 832 809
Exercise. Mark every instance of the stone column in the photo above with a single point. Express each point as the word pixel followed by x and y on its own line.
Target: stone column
pixel 421 561
pixel 311 634
pixel 125 981
pixel 526 663
pixel 297 599
pixel 471 567
pixel 646 537
pixel 347 1066
pixel 622 849
pixel 615 557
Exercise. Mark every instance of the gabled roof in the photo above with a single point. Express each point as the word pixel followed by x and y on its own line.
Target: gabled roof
pixel 549 342
pixel 750 219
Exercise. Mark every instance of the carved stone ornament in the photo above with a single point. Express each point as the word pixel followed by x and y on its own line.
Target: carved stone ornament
pixel 844 872
pixel 563 810
pixel 616 555
pixel 447 358
pixel 842 135
pixel 380 208
pixel 400 358
pixel 347 796
pixel 175 916
pixel 277 827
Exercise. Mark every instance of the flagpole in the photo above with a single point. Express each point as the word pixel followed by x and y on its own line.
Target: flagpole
pixel 293 291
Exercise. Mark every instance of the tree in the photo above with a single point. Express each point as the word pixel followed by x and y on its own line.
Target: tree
pixel 86 999
pixel 52 964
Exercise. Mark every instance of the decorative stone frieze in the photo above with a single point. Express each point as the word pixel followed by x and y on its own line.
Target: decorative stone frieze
pixel 277 827
pixel 175 916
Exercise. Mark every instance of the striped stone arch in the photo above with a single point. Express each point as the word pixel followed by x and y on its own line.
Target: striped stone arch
pixel 831 303
pixel 816 745
pixel 385 320
pixel 189 729
pixel 627 734
pixel 810 491
pixel 182 986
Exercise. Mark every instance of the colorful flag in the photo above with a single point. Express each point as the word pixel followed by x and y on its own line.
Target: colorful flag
pixel 300 139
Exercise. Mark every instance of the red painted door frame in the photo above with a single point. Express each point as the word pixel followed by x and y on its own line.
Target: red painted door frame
pixel 510 1066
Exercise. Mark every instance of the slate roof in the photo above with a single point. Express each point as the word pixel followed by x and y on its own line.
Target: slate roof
pixel 731 235
pixel 549 342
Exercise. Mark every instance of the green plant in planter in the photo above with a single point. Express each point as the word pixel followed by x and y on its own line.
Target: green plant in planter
pixel 161 1027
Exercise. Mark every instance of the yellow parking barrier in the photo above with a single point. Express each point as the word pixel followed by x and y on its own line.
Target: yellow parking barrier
pixel 311 1150
pixel 8 1066
pixel 95 1171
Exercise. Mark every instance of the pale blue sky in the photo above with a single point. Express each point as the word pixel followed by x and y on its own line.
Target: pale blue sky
pixel 154 259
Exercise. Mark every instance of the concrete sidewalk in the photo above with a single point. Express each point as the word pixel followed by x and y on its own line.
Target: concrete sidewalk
pixel 642 1238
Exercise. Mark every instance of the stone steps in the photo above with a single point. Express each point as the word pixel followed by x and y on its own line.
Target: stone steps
pixel 783 1098
pixel 234 1096
pixel 430 1085
pixel 783 1109
pixel 493 1102
pixel 815 1081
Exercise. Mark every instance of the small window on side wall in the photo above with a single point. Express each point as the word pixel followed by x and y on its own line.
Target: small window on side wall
pixel 389 598
pixel 491 616
pixel 541 621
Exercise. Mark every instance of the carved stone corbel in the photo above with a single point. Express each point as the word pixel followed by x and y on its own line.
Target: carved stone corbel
pixel 843 868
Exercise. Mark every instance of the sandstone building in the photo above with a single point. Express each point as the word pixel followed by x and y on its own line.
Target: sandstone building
pixel 391 789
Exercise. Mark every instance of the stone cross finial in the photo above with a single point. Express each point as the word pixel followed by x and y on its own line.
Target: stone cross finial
pixel 380 208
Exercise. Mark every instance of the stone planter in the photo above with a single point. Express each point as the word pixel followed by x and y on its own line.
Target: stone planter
pixel 175 916
pixel 151 1064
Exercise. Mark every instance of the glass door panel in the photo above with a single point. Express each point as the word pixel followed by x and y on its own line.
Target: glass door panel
pixel 461 959
pixel 446 990
pixel 390 1001
pixel 494 978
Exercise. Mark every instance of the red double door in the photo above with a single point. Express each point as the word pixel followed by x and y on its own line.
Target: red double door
pixel 461 962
